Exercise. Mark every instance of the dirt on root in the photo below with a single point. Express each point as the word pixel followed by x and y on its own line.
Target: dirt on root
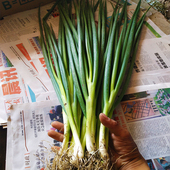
pixel 89 162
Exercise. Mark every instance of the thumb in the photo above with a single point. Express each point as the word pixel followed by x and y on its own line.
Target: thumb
pixel 111 124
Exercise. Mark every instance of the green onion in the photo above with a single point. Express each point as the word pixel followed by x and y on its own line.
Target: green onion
pixel 88 66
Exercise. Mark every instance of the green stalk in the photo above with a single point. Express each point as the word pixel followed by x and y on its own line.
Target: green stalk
pixel 103 33
pixel 62 83
pixel 128 31
pixel 81 54
pixel 50 11
pixel 88 18
pixel 83 133
pixel 112 20
pixel 66 134
pixel 109 61
pixel 126 83
pixel 91 85
pixel 67 20
pixel 44 50
pixel 109 98
pixel 128 48
pixel 95 50
pixel 88 50
pixel 117 59
pixel 75 70
pixel 91 121
pixel 99 24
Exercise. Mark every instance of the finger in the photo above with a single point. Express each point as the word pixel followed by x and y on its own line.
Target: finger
pixel 55 148
pixel 58 125
pixel 113 126
pixel 55 135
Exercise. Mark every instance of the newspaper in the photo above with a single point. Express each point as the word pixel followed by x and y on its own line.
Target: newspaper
pixel 12 87
pixel 147 117
pixel 149 30
pixel 31 68
pixel 25 63
pixel 27 135
pixel 145 114
pixel 23 23
pixel 16 90
pixel 152 65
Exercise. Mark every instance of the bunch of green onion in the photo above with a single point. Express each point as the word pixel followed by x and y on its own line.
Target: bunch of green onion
pixel 90 66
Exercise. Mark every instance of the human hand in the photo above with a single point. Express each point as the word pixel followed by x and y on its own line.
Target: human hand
pixel 124 152
pixel 59 136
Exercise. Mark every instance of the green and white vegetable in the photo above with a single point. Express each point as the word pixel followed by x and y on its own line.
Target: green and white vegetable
pixel 90 66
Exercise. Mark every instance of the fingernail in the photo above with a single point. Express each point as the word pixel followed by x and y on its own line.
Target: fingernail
pixel 112 135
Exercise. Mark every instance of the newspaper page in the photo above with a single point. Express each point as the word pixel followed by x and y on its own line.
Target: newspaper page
pixel 149 29
pixel 23 23
pixel 16 25
pixel 13 89
pixel 153 55
pixel 147 117
pixel 145 114
pixel 152 65
pixel 28 126
pixel 31 42
pixel 22 60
